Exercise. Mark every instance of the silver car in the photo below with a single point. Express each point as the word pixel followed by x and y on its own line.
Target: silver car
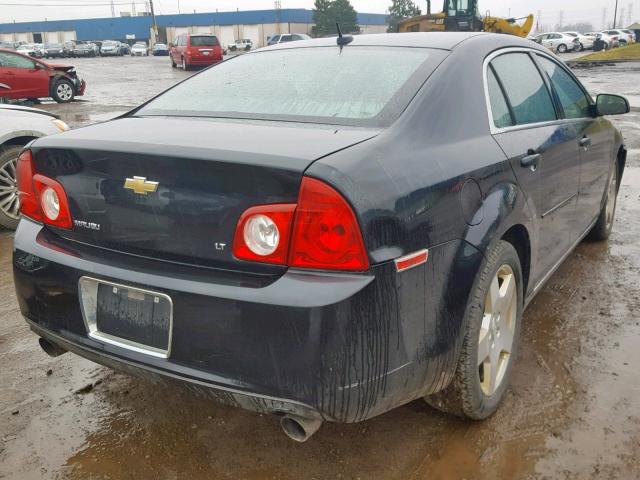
pixel 558 42
pixel 18 126
pixel 586 43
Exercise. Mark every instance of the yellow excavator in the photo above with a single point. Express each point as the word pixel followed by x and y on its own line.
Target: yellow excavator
pixel 463 16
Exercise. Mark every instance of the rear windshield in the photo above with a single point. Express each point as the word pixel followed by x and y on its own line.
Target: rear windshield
pixel 204 41
pixel 360 85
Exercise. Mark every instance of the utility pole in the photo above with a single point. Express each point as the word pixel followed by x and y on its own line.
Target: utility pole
pixel 630 13
pixel 604 18
pixel 133 9
pixel 538 22
pixel 278 8
pixel 428 7
pixel 113 9
pixel 615 15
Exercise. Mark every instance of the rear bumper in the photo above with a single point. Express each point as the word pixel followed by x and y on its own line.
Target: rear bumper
pixel 203 61
pixel 337 346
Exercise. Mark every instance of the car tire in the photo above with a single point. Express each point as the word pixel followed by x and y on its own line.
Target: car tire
pixel 184 65
pixel 9 205
pixel 623 43
pixel 63 91
pixel 475 392
pixel 604 225
pixel 173 64
pixel 562 48
pixel 581 47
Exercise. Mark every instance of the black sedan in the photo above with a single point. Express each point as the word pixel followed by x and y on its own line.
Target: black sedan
pixel 361 227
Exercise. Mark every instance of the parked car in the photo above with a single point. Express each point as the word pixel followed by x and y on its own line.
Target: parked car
pixel 242 45
pixel 111 48
pixel 631 36
pixel 617 38
pixel 68 48
pixel 84 50
pixel 160 50
pixel 30 49
pixel 603 37
pixel 125 48
pixel 287 37
pixel 558 42
pixel 191 50
pixel 26 77
pixel 139 50
pixel 369 246
pixel 585 42
pixel 18 126
pixel 9 45
pixel 54 50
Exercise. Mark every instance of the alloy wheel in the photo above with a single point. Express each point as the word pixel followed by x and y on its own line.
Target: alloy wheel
pixel 497 331
pixel 611 198
pixel 9 201
pixel 64 91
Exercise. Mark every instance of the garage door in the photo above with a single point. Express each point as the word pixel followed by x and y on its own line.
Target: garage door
pixel 51 37
pixel 227 35
pixel 23 37
pixel 6 37
pixel 67 36
pixel 252 32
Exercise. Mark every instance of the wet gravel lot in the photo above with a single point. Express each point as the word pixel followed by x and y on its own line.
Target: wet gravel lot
pixel 573 410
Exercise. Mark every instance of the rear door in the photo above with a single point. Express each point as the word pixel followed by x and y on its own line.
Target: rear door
pixel 22 77
pixel 593 136
pixel 542 149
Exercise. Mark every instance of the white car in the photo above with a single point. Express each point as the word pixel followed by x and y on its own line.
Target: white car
pixel 287 37
pixel 619 38
pixel 18 126
pixel 631 35
pixel 608 41
pixel 586 43
pixel 139 50
pixel 242 45
pixel 30 49
pixel 558 42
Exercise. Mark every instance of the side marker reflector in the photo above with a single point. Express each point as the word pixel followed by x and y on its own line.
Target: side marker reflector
pixel 412 260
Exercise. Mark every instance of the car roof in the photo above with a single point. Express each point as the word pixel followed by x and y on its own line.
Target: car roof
pixel 437 40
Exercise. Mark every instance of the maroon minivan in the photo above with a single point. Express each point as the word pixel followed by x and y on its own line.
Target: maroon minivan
pixel 191 50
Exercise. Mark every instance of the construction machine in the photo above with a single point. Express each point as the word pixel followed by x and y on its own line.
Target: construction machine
pixel 463 16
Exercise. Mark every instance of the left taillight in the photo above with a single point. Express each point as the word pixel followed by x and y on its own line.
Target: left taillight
pixel 41 198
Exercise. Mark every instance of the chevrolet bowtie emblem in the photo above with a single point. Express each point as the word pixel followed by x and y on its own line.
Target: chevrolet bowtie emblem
pixel 140 185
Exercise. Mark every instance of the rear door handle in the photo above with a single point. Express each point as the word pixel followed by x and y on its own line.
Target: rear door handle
pixel 585 142
pixel 530 161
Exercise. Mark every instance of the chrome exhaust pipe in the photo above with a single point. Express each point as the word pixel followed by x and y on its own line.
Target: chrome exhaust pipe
pixel 298 428
pixel 51 349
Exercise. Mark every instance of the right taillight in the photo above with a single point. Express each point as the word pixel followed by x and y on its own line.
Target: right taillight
pixel 326 234
pixel 41 198
pixel 319 232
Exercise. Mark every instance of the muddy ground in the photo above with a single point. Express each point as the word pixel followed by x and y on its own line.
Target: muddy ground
pixel 573 410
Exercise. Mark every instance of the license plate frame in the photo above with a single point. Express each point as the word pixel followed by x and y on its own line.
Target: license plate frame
pixel 88 289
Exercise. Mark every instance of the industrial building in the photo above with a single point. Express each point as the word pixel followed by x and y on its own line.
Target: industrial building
pixel 257 25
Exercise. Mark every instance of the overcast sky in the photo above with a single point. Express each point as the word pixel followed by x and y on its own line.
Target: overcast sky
pixel 572 10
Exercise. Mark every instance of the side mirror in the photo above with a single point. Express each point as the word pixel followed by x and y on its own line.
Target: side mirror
pixel 611 105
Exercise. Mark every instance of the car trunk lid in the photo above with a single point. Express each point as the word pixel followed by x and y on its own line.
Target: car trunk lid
pixel 173 189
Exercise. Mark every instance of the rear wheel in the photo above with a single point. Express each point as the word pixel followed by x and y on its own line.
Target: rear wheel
pixel 63 91
pixel 562 48
pixel 184 65
pixel 491 338
pixel 602 229
pixel 9 203
pixel 173 64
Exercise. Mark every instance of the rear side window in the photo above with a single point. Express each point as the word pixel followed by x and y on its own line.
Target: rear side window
pixel 524 88
pixel 574 102
pixel 499 108
pixel 15 61
pixel 204 41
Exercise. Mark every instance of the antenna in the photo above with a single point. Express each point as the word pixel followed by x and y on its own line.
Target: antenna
pixel 343 39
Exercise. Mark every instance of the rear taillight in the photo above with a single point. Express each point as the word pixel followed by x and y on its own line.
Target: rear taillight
pixel 29 205
pixel 325 234
pixel 263 233
pixel 41 198
pixel 320 232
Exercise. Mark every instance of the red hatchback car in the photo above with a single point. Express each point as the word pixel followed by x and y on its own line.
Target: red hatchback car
pixel 25 77
pixel 195 50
